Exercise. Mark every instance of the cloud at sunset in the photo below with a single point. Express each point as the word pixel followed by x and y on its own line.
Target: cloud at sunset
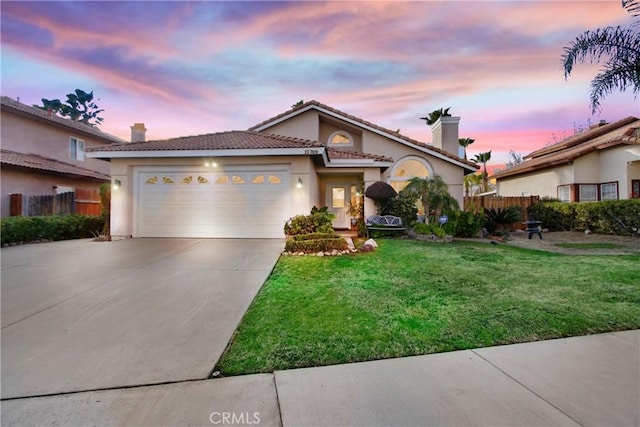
pixel 197 67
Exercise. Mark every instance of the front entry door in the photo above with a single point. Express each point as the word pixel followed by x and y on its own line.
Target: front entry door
pixel 338 197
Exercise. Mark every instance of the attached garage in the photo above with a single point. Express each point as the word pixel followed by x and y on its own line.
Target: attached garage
pixel 235 202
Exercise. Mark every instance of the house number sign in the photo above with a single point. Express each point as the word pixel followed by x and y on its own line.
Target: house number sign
pixel 311 152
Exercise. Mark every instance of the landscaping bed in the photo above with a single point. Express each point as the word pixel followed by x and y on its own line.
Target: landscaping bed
pixel 410 298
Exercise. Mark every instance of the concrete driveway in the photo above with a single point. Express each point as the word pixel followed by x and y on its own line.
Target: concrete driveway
pixel 83 315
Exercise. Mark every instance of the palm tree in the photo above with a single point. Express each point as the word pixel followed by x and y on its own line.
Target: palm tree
pixel 472 181
pixel 434 193
pixel 621 45
pixel 435 115
pixel 483 158
pixel 465 142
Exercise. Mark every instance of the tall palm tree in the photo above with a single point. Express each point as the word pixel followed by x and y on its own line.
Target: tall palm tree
pixel 465 142
pixel 435 115
pixel 483 158
pixel 434 194
pixel 621 45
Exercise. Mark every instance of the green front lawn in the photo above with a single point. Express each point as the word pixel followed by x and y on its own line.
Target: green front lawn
pixel 410 298
pixel 589 245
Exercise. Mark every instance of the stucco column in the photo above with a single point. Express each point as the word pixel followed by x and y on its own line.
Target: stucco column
pixel 370 176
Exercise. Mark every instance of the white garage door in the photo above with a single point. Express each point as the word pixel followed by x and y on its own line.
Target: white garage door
pixel 234 203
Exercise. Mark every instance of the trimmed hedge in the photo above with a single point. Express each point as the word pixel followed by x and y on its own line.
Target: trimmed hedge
pixel 24 229
pixel 314 245
pixel 620 217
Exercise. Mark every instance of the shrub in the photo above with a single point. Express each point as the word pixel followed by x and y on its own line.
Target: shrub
pixel 464 223
pixel 428 229
pixel 610 217
pixel 55 227
pixel 403 206
pixel 105 207
pixel 317 245
pixel 319 221
pixel 501 218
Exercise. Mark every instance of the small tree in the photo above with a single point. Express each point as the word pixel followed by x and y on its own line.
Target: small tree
pixel 105 207
pixel 434 195
pixel 484 159
pixel 379 192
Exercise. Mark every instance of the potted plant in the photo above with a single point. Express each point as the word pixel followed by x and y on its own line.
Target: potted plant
pixel 355 211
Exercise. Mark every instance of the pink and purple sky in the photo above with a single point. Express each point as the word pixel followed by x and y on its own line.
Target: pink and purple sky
pixel 186 68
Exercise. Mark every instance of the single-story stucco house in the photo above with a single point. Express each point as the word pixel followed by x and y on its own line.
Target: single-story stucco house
pixel 247 184
pixel 602 163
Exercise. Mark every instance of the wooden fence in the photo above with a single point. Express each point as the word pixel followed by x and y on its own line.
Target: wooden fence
pixel 85 202
pixel 500 202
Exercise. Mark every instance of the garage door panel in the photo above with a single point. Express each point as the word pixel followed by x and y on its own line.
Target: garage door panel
pixel 236 203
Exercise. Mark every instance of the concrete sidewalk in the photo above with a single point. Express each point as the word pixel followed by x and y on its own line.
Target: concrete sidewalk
pixel 589 381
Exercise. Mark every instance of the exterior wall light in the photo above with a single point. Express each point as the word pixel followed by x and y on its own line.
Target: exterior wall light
pixel 210 163
pixel 117 184
pixel 299 183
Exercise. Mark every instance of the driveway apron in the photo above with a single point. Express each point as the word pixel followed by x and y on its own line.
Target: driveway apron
pixel 85 315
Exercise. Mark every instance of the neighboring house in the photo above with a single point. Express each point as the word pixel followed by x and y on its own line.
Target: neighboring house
pixel 43 154
pixel 248 183
pixel 602 163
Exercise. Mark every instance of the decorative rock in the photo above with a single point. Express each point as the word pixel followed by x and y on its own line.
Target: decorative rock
pixel 334 252
pixel 372 243
pixel 448 239
pixel 366 248
pixel 320 254
pixel 327 254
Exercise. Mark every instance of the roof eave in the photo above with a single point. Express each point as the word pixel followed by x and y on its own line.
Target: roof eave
pixel 357 123
pixel 107 154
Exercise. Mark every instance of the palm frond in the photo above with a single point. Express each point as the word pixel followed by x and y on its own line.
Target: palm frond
pixel 612 78
pixel 614 42
pixel 632 6
pixel 621 70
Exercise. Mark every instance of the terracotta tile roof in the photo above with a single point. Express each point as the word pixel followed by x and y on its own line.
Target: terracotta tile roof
pixel 33 161
pixel 625 131
pixel 335 153
pixel 10 104
pixel 232 140
pixel 411 141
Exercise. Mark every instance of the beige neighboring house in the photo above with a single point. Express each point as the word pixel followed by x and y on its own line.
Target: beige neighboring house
pixel 43 154
pixel 247 184
pixel 602 163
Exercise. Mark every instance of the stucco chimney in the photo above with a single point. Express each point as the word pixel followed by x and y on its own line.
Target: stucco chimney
pixel 444 133
pixel 138 132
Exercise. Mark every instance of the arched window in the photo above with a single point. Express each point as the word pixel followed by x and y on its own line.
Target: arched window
pixel 340 138
pixel 407 168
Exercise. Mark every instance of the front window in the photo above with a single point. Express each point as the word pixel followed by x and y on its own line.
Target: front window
pixel 340 139
pixel 609 191
pixel 405 170
pixel 76 149
pixel 588 193
pixel 564 193
pixel 337 197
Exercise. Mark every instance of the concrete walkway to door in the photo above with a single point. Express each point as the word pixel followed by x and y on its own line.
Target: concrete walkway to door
pixel 83 315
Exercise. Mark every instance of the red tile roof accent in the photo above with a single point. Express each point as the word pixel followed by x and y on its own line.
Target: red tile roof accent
pixel 614 134
pixel 366 123
pixel 335 153
pixel 33 161
pixel 232 140
pixel 10 104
